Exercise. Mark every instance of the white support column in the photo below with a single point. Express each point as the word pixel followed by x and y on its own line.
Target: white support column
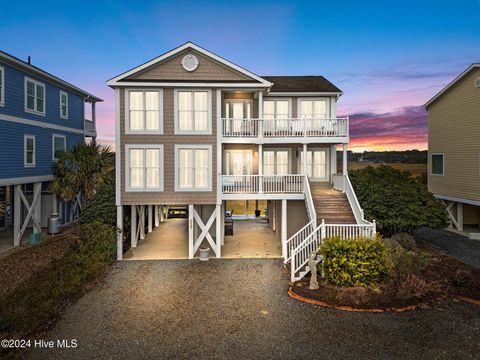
pixel 218 223
pixel 460 216
pixel 120 232
pixel 260 114
pixel 54 204
pixel 284 228
pixel 219 146
pixel 133 226
pixel 260 168
pixel 274 215
pixel 333 160
pixel 222 222
pixel 190 231
pixel 94 112
pixel 304 159
pixel 142 222
pixel 345 171
pixel 162 209
pixel 37 210
pixel 150 218
pixel 17 214
pixel 156 215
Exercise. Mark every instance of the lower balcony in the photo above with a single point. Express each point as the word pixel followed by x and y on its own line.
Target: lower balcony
pixel 290 186
pixel 89 128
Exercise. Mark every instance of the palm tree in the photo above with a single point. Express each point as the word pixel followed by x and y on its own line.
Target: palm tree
pixel 84 168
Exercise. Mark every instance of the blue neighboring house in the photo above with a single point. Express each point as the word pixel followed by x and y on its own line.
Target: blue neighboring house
pixel 41 115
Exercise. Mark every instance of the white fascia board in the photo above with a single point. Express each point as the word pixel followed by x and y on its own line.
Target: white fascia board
pixel 175 51
pixel 186 84
pixel 457 199
pixel 441 92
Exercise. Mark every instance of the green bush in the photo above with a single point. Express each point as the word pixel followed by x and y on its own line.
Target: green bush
pixel 354 261
pixel 404 261
pixel 405 240
pixel 39 300
pixel 101 207
pixel 396 201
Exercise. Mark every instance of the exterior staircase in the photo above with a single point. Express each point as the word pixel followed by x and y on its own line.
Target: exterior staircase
pixel 331 205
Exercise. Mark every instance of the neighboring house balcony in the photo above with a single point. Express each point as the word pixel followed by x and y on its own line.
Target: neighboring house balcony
pixel 288 186
pixel 288 130
pixel 90 129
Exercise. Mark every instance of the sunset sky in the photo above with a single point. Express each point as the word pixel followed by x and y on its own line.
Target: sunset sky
pixel 389 57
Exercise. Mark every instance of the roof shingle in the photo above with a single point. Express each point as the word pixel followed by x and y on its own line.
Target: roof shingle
pixel 301 84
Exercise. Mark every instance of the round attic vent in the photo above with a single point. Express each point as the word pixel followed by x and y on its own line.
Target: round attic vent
pixel 190 62
pixel 477 82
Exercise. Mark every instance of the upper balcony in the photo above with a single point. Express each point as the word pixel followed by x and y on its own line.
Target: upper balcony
pixel 89 128
pixel 294 130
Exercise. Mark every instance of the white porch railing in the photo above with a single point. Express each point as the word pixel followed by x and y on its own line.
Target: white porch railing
pixel 300 254
pixel 89 127
pixel 292 127
pixel 270 184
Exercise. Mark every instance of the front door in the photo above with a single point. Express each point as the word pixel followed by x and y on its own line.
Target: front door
pixel 317 164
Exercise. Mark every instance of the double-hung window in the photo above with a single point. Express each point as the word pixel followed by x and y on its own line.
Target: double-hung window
pixel 193 167
pixel 145 111
pixel 276 114
pixel 34 96
pixel 144 167
pixel 2 86
pixel 438 164
pixel 275 162
pixel 59 145
pixel 192 112
pixel 63 105
pixel 29 151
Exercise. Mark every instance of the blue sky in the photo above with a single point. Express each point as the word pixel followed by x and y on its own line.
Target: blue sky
pixel 388 57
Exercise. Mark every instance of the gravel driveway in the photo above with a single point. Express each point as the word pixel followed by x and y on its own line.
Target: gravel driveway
pixel 460 247
pixel 239 309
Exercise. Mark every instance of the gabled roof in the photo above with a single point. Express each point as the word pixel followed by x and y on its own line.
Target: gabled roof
pixel 303 84
pixel 188 45
pixel 31 69
pixel 445 89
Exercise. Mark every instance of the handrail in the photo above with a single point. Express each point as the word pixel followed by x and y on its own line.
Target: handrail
pixel 286 127
pixel 297 238
pixel 309 201
pixel 286 184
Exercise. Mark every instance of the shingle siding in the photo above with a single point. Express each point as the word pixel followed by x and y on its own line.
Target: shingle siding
pixel 454 129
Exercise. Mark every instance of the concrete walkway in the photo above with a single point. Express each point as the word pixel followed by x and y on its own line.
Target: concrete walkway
pixel 167 241
pixel 225 309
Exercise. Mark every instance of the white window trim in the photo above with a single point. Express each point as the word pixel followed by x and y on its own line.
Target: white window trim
pixel 27 79
pixel 290 159
pixel 326 99
pixel 210 170
pixel 209 113
pixel 127 167
pixel 443 164
pixel 2 84
pixel 160 111
pixel 60 98
pixel 53 144
pixel 327 159
pixel 289 99
pixel 25 164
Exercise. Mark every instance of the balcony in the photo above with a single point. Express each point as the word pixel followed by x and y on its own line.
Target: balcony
pixel 289 186
pixel 89 128
pixel 333 130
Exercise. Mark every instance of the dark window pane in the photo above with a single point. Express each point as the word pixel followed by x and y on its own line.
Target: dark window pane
pixel 437 164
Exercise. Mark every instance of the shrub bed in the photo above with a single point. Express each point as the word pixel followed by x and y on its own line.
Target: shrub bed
pixel 38 301
pixel 354 262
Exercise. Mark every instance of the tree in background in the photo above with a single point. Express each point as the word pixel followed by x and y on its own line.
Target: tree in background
pixel 396 201
pixel 85 168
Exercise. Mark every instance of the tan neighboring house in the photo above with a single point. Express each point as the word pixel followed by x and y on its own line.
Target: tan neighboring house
pixel 454 150
pixel 196 130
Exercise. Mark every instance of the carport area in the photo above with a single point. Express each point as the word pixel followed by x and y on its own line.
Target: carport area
pixel 252 238
pixel 169 240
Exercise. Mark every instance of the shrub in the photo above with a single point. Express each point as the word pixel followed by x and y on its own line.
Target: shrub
pixel 462 278
pixel 101 207
pixel 398 202
pixel 354 261
pixel 414 286
pixel 403 261
pixel 405 240
pixel 35 303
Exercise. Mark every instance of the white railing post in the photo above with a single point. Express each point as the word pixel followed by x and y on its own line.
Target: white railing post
pixel 260 168
pixel 323 230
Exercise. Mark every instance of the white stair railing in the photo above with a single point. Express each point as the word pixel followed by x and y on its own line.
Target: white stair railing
pixel 299 255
